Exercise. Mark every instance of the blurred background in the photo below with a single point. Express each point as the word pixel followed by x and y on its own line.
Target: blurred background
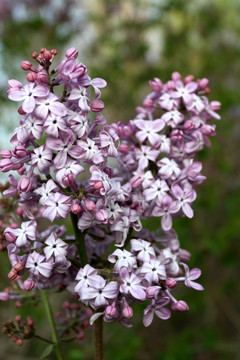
pixel 127 43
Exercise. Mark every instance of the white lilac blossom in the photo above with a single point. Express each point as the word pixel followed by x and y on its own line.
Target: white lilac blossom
pixel 63 150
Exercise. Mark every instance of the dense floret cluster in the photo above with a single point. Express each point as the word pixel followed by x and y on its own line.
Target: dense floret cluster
pixel 108 178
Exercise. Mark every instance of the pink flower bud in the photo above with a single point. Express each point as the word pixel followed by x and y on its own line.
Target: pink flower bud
pixel 14 226
pixel 176 135
pixel 26 65
pixel 19 152
pixel 98 185
pixel 127 312
pixel 102 216
pixel 156 84
pixel 181 306
pixel 10 237
pixel 6 154
pixel 97 105
pixel 24 184
pixel 68 179
pixel 184 255
pixel 18 267
pixel 136 181
pixel 31 76
pixel 28 284
pixel 20 211
pixel 176 76
pixel 189 125
pixel 148 103
pixel 123 148
pixel 72 52
pixel 6 165
pixel 170 85
pixel 76 209
pixel 215 105
pixel 111 310
pixel 203 83
pixel 151 291
pixel 47 55
pixel 188 79
pixel 21 111
pixel 4 296
pixel 171 283
pixel 12 275
pixel 42 78
pixel 208 130
pixel 66 305
pixel 22 170
pixel 90 205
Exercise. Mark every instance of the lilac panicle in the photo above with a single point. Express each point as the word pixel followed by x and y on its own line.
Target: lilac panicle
pixel 108 178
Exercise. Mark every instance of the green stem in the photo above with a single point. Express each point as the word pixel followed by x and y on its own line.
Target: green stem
pixel 52 325
pixel 43 339
pixel 99 338
pixel 79 239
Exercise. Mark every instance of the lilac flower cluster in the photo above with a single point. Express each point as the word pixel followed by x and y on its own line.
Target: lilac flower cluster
pixel 108 178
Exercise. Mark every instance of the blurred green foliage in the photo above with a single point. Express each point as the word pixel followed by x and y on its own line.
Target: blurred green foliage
pixel 128 43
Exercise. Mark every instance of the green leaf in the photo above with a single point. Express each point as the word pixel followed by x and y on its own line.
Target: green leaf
pixel 47 351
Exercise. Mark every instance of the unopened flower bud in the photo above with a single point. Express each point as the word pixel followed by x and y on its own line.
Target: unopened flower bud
pixel 19 342
pixel 6 154
pixel 24 184
pixel 136 181
pixel 184 255
pixel 22 170
pixel 26 65
pixel 176 135
pixel 152 291
pixel 34 55
pixel 156 84
pixel 188 79
pixel 90 205
pixel 123 148
pixel 6 165
pixel 97 105
pixel 102 216
pixel 18 318
pixel 127 312
pixel 10 237
pixel 42 77
pixel 30 321
pixel 189 125
pixel 76 209
pixel 98 185
pixel 171 283
pixel 71 53
pixel 4 296
pixel 108 171
pixel 18 267
pixel 28 284
pixel 47 55
pixel 20 211
pixel 215 105
pixel 14 225
pixel 68 180
pixel 31 76
pixel 148 103
pixel 176 76
pixel 111 310
pixel 203 83
pixel 12 275
pixel 181 305
pixel 19 152
pixel 170 85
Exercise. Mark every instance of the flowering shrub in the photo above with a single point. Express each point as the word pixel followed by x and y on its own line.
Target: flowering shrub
pixel 107 178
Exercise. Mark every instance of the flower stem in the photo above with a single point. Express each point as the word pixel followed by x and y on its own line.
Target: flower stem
pixel 79 239
pixel 52 325
pixel 99 338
